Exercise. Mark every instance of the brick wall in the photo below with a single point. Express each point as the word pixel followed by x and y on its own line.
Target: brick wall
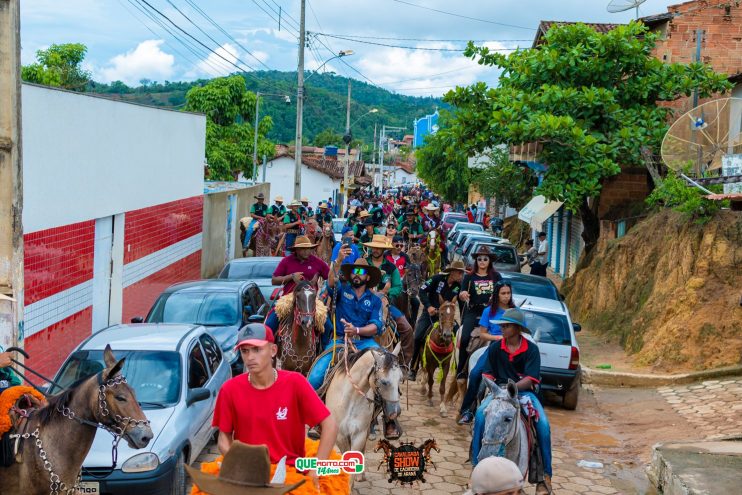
pixel 630 186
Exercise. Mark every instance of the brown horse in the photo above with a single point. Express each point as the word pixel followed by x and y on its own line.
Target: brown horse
pixel 413 279
pixel 439 350
pixel 433 253
pixel 301 321
pixel 326 243
pixel 57 437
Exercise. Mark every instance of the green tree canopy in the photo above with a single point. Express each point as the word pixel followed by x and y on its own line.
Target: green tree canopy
pixel 230 112
pixel 589 99
pixel 59 66
pixel 328 137
pixel 511 184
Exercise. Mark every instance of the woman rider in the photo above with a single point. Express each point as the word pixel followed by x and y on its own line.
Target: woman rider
pixel 476 293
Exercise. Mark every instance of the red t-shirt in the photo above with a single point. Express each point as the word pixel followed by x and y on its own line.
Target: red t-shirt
pixel 275 416
pixel 310 267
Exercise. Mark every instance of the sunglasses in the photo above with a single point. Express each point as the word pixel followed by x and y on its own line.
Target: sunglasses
pixel 359 271
pixel 398 244
pixel 483 258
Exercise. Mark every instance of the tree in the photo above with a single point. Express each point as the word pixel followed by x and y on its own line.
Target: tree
pixel 589 99
pixel 443 164
pixel 328 137
pixel 59 66
pixel 511 184
pixel 229 110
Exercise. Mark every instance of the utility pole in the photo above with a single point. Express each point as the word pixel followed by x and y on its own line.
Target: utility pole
pixel 374 154
pixel 347 138
pixel 11 177
pixel 255 139
pixel 299 103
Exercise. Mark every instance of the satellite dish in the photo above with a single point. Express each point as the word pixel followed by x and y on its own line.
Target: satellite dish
pixel 622 5
pixel 703 136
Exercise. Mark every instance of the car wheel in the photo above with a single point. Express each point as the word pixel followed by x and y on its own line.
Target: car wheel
pixel 179 476
pixel 572 394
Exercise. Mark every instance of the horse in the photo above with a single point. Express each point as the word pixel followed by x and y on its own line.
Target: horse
pixel 365 384
pixel 413 279
pixel 439 350
pixel 427 446
pixel 56 438
pixel 301 317
pixel 260 242
pixel 326 243
pixel 505 433
pixel 311 229
pixel 433 253
pixel 388 339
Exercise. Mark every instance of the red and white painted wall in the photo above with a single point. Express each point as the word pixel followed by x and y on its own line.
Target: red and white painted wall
pixel 113 213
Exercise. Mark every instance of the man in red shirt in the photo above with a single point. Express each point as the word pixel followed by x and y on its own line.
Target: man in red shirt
pixel 264 406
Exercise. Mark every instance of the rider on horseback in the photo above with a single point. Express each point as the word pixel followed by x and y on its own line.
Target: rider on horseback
pixel 7 377
pixel 444 286
pixel 259 209
pixel 431 221
pixel 305 211
pixel 411 227
pixel 293 224
pixel 516 358
pixel 323 215
pixel 391 287
pixel 278 210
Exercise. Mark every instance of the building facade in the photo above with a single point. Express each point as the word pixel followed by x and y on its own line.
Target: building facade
pixel 424 126
pixel 113 212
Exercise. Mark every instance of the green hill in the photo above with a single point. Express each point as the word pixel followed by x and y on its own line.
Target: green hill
pixel 324 103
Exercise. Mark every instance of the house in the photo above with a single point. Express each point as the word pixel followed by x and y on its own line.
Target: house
pixel 424 126
pixel 321 174
pixel 112 214
pixel 403 173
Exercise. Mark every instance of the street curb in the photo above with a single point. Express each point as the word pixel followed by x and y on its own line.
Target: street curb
pixel 639 380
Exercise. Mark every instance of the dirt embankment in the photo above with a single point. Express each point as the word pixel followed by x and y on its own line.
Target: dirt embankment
pixel 669 292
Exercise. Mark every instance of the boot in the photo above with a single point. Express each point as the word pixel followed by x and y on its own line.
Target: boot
pixel 544 487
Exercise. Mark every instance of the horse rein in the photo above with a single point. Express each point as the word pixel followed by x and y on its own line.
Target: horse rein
pixel 504 445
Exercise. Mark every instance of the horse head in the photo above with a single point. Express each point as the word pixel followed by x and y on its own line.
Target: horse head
pixel 429 445
pixel 385 445
pixel 327 231
pixel 447 321
pixel 305 305
pixel 501 419
pixel 386 378
pixel 432 239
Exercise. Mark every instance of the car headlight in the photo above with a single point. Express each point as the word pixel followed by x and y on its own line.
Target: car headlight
pixel 141 463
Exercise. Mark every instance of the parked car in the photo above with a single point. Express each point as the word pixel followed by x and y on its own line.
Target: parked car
pixel 532 286
pixel 256 269
pixel 337 228
pixel 507 257
pixel 554 333
pixel 221 305
pixel 458 229
pixel 175 372
pixel 468 238
pixel 451 218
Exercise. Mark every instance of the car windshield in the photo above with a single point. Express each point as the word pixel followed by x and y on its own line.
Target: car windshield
pixel 535 289
pixel 199 308
pixel 249 271
pixel 454 219
pixel 154 375
pixel 549 328
pixel 504 254
pixel 337 227
pixel 469 226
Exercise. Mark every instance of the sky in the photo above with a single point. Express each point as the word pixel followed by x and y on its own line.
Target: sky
pixel 124 44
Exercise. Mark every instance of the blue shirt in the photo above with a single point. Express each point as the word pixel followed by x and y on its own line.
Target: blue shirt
pixel 351 258
pixel 487 322
pixel 358 311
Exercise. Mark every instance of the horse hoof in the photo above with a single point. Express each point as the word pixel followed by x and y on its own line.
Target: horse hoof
pixel 372 436
pixel 430 402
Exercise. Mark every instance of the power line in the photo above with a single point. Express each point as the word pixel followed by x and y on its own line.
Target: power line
pixel 429 76
pixel 346 63
pixel 416 39
pixel 422 48
pixel 462 16
pixel 223 31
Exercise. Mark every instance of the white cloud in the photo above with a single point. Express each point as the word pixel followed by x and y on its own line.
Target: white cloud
pixel 146 61
pixel 261 55
pixel 216 64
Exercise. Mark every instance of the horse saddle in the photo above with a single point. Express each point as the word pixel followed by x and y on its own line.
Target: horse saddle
pixel 18 416
pixel 535 460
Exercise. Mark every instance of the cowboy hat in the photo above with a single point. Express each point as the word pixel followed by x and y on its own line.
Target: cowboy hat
pixel 456 265
pixel 363 214
pixel 246 470
pixel 260 196
pixel 294 203
pixel 303 242
pixel 515 316
pixel 374 274
pixel 278 199
pixel 322 205
pixel 379 241
pixel 304 199
pixel 484 251
pixel 431 207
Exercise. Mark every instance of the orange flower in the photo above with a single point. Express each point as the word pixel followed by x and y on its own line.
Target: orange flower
pixel 8 399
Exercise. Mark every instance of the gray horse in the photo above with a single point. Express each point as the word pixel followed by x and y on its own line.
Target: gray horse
pixel 504 430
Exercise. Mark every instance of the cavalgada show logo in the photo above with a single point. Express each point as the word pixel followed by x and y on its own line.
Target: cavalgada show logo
pixel 407 464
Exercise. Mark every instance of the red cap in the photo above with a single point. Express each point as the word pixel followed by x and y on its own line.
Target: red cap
pixel 254 334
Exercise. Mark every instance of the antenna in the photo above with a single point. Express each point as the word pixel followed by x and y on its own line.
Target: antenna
pixel 623 5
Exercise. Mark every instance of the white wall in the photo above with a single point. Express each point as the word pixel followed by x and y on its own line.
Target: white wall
pixel 86 157
pixel 314 184
pixel 402 177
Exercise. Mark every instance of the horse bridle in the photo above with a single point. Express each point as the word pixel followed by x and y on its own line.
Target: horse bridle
pixel 503 445
pixel 119 428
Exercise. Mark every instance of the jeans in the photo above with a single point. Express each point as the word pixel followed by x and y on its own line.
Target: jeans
pixel 290 240
pixel 475 381
pixel 271 321
pixel 543 431
pixel 424 324
pixel 468 322
pixel 320 366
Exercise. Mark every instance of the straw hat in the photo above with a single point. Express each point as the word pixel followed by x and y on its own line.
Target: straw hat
pixel 303 242
pixel 379 241
pixel 294 203
pixel 322 205
pixel 456 265
pixel 279 199
pixel 374 274
pixel 304 199
pixel 363 214
pixel 246 470
pixel 431 207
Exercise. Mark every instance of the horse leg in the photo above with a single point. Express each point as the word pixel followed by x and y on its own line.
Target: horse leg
pixel 442 388
pixel 372 430
pixel 431 379
pixel 358 443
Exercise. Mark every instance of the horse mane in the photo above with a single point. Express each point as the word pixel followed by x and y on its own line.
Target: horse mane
pixel 389 359
pixel 302 285
pixel 54 404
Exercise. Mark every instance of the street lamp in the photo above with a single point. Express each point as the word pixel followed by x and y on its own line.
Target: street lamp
pixel 341 54
pixel 258 94
pixel 300 109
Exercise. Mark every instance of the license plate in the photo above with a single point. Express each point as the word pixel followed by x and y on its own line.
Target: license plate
pixel 90 488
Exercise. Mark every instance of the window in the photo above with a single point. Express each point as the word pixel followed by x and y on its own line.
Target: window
pixel 212 351
pixel 550 328
pixel 197 371
pixel 248 271
pixel 535 289
pixel 201 308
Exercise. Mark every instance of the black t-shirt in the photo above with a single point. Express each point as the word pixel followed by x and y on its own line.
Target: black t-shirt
pixel 435 286
pixel 524 362
pixel 259 209
pixel 480 289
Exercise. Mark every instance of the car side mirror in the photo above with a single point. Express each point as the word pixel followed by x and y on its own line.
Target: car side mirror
pixel 255 318
pixel 138 319
pixel 197 395
pixel 577 327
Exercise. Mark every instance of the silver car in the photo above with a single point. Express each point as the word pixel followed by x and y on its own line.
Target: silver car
pixel 176 371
